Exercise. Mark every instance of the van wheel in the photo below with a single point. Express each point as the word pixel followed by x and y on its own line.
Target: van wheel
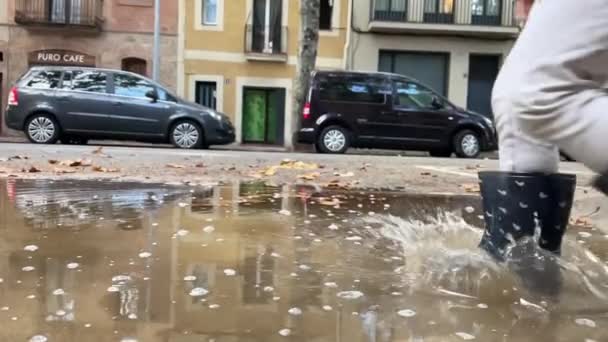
pixel 333 139
pixel 42 129
pixel 467 144
pixel 186 134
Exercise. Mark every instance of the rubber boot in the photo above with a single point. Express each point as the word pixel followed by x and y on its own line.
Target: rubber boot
pixel 515 204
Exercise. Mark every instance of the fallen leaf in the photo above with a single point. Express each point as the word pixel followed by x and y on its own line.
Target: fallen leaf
pixel 76 163
pixel 62 170
pixel 270 171
pixel 53 161
pixel 98 168
pixel 345 175
pixel 425 173
pixel 309 176
pixel 583 222
pixel 200 165
pixel 33 169
pixel 175 166
pixel 470 187
pixel 19 157
pixel 98 150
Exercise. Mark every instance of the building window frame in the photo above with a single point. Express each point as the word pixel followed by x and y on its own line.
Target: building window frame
pixel 219 89
pixel 201 24
pixel 486 18
pixel 335 20
pixel 439 11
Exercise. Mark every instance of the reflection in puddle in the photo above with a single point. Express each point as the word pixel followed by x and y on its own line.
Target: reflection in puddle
pixel 96 261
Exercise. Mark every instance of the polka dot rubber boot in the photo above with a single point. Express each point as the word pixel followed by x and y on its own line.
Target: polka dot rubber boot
pixel 519 205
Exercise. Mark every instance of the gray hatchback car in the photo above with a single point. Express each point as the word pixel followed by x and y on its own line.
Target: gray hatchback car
pixel 75 104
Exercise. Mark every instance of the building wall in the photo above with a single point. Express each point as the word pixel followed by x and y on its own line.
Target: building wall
pixel 218 54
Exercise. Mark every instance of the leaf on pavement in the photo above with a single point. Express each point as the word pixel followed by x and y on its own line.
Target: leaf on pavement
pixel 98 168
pixel 470 187
pixel 309 176
pixel 53 161
pixel 345 175
pixel 297 165
pixel 426 173
pixel 270 171
pixel 200 165
pixel 176 166
pixel 582 222
pixel 33 169
pixel 63 170
pixel 76 163
pixel 18 157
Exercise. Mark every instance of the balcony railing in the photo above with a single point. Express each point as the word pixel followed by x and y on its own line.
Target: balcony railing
pixel 266 42
pixel 389 10
pixel 487 20
pixel 85 13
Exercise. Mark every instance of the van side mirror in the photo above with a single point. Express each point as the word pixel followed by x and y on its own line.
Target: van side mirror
pixel 151 94
pixel 437 103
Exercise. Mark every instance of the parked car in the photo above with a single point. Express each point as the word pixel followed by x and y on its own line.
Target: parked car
pixel 75 104
pixel 383 110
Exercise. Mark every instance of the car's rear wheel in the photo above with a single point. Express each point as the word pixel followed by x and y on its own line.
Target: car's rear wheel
pixel 333 139
pixel 42 129
pixel 186 134
pixel 467 144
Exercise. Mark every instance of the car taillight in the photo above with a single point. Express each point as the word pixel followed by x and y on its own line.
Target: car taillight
pixel 13 97
pixel 306 111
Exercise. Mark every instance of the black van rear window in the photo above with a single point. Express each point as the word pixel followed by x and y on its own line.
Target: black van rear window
pixel 353 89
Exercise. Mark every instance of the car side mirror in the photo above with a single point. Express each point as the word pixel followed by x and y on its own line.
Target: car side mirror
pixel 151 94
pixel 437 103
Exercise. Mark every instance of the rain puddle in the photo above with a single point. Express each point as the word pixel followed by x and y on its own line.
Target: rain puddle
pixel 103 261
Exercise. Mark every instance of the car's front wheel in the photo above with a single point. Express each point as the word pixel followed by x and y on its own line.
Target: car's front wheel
pixel 467 144
pixel 42 129
pixel 186 134
pixel 333 139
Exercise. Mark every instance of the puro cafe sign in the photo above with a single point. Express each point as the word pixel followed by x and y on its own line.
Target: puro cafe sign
pixel 60 57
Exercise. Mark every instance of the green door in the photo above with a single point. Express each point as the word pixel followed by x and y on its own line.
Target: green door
pixel 263 115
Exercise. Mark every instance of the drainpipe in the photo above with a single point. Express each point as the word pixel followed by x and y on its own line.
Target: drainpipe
pixel 346 61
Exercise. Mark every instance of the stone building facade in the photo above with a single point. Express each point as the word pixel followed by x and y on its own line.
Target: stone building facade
pixel 114 34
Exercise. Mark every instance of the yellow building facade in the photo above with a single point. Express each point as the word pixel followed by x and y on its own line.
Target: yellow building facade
pixel 239 56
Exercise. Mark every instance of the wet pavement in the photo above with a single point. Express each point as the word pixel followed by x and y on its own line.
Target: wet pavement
pixel 111 261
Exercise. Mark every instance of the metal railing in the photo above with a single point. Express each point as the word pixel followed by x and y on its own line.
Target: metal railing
pixel 389 10
pixel 267 40
pixel 487 20
pixel 59 12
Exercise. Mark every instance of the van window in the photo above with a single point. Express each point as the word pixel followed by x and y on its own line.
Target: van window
pixel 87 80
pixel 413 95
pixel 355 89
pixel 132 86
pixel 45 79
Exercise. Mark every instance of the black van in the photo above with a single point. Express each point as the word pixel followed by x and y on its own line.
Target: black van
pixel 381 110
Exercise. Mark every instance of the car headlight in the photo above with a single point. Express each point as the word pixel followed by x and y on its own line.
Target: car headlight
pixel 488 121
pixel 217 116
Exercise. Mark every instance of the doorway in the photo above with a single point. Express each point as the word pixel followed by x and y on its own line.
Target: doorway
pixel 206 94
pixel 267 21
pixel 263 115
pixel 483 70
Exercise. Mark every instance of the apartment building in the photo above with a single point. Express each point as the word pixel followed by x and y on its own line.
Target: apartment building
pixel 453 46
pixel 239 56
pixel 101 33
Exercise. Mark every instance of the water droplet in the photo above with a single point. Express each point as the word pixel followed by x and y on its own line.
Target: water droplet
pixel 39 338
pixel 28 268
pixel 331 285
pixel 268 289
pixel 30 248
pixel 543 195
pixel 354 238
pixel 406 313
pixel 304 267
pixel 465 336
pixel 4 308
pixel 519 183
pixel 113 289
pixel 585 322
pixel 121 278
pixel 14 318
pixel 285 212
pixel 229 272
pixel 469 209
pixel 59 292
pixel 182 204
pixel 584 235
pixel 503 210
pixel 88 325
pixel 350 294
pixel 502 192
pixel 214 306
pixel 132 316
pixel 523 205
pixel 276 298
pixel 516 227
pixel 285 332
pixel 295 311
pixel 72 265
pixel 144 255
pixel 60 313
pixel 198 292
pixel 31 296
pixel 327 308
pixel 482 306
pixel 209 229
pixel 182 232
pixel 333 226
pixel 275 255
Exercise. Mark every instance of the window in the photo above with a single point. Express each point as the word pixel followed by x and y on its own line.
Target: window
pixel 325 14
pixel 129 85
pixel 164 95
pixel 486 12
pixel 439 11
pixel 413 95
pixel 357 89
pixel 390 10
pixel 89 81
pixel 45 80
pixel 206 94
pixel 209 12
pixel 134 64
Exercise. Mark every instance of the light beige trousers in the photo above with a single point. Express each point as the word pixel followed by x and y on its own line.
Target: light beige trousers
pixel 551 92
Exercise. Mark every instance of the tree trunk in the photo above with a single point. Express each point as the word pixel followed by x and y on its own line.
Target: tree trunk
pixel 307 56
